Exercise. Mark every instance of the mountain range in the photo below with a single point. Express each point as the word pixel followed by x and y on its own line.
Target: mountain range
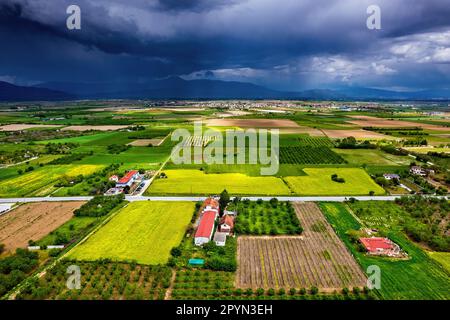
pixel 178 88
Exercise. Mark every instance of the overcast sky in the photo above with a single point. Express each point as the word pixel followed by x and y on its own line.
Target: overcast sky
pixel 282 44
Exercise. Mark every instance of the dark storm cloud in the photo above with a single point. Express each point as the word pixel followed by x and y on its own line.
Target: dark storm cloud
pixel 279 43
pixel 193 5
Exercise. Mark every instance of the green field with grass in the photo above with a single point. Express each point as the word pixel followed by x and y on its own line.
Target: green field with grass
pixel 317 181
pixel 443 258
pixel 40 182
pixel 140 157
pixel 69 231
pixel 428 149
pixel 88 139
pixel 371 157
pixel 142 231
pixel 379 214
pixel 419 277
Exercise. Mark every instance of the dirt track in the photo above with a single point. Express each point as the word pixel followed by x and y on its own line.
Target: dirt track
pixel 32 221
pixel 20 127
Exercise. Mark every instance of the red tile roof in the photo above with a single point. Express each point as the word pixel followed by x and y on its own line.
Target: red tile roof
pixel 213 203
pixel 228 220
pixel 206 225
pixel 374 244
pixel 128 176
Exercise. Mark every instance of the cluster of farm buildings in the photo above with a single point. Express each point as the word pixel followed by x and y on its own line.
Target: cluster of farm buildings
pixel 210 214
pixel 381 247
pixel 206 229
pixel 131 181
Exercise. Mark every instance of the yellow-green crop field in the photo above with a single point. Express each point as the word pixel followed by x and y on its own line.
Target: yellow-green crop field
pixel 428 149
pixel 318 182
pixel 143 231
pixel 40 181
pixel 197 182
pixel 442 257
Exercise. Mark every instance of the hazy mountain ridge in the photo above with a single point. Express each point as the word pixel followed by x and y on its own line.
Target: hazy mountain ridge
pixel 11 92
pixel 178 88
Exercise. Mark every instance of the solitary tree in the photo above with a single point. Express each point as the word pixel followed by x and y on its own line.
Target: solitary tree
pixel 224 200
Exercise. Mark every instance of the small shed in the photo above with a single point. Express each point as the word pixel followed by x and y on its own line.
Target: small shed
pixel 220 238
pixel 196 262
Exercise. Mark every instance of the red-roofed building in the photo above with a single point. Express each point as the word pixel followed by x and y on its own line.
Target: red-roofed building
pixel 211 204
pixel 380 246
pixel 128 179
pixel 205 228
pixel 226 224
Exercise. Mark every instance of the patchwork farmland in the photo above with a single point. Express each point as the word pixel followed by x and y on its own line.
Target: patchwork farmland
pixel 318 258
pixel 131 248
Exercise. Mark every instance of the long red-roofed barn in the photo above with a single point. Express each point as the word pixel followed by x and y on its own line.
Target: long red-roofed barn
pixel 205 228
pixel 128 179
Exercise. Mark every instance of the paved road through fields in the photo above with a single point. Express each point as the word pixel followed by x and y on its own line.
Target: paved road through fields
pixel 182 198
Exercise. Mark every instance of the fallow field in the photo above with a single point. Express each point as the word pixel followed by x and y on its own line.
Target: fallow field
pixel 32 221
pixel 317 258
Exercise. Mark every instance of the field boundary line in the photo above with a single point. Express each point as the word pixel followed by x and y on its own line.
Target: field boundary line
pixel 355 216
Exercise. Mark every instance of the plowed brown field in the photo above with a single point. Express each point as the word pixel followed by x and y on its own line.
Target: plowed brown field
pixel 317 258
pixel 32 221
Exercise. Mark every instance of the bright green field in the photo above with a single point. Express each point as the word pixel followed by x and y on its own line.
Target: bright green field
pixel 71 229
pixel 416 278
pixel 142 231
pixel 89 139
pixel 198 182
pixel 137 156
pixel 426 150
pixel 371 157
pixel 318 182
pixel 443 258
pixel 40 181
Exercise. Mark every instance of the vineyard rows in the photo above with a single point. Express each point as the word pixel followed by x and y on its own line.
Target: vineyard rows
pixel 308 141
pixel 309 155
pixel 197 141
